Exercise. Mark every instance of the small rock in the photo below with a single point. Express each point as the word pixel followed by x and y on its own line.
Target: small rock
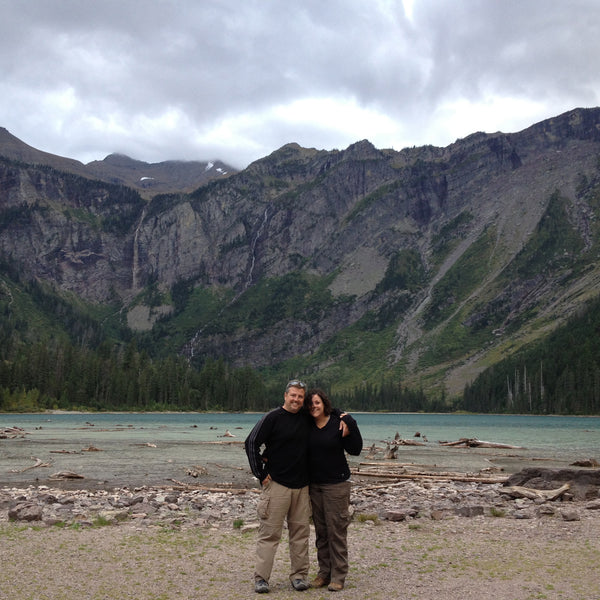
pixel 524 514
pixel 546 509
pixel 469 511
pixel 570 515
pixel 26 512
pixel 394 515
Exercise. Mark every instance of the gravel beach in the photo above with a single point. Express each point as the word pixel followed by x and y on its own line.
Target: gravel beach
pixel 425 539
pixel 451 559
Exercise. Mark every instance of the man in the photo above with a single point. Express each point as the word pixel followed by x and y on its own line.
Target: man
pixel 282 470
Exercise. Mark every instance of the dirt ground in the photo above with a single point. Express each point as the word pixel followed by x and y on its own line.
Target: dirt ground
pixel 451 559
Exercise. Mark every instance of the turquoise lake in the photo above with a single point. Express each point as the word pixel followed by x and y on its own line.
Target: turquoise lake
pixel 158 447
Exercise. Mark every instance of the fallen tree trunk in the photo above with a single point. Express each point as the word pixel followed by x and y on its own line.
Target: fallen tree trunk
pixel 402 442
pixel 191 486
pixel 518 491
pixel 12 432
pixel 432 476
pixel 65 475
pixel 475 443
pixel 38 463
pixel 385 464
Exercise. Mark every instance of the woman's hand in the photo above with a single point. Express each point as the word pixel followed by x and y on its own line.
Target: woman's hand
pixel 344 426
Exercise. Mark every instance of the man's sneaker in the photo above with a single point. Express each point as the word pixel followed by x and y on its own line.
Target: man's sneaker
pixel 261 586
pixel 299 585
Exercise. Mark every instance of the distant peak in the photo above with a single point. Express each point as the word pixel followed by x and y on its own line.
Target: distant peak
pixel 121 160
pixel 362 149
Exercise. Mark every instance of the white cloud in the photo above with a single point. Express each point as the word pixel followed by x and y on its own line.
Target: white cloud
pixel 234 81
pixel 458 118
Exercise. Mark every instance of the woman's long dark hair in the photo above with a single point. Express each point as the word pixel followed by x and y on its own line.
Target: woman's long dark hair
pixel 318 392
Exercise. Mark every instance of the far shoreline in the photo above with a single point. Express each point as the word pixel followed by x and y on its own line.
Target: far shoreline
pixel 57 411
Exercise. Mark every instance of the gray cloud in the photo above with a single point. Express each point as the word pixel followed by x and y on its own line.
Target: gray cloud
pixel 164 79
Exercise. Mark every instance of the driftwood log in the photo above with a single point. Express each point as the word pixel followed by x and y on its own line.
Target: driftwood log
pixel 373 450
pixel 518 491
pixel 475 443
pixel 8 433
pixel 230 490
pixel 587 462
pixel 38 463
pixel 65 475
pixel 584 484
pixel 391 452
pixel 430 476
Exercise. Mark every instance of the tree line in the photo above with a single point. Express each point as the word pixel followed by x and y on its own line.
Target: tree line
pixel 116 377
pixel 560 375
pixel 119 377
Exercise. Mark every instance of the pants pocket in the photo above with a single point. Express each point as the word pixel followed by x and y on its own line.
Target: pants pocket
pixel 262 507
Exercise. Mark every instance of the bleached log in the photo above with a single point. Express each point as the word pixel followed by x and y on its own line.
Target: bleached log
pixel 402 442
pixel 475 443
pixel 391 452
pixel 11 433
pixel 91 449
pixel 372 451
pixel 385 464
pixel 191 486
pixel 518 491
pixel 65 475
pixel 431 477
pixel 38 463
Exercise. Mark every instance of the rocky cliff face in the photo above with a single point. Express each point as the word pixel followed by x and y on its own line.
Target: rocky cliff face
pixel 462 216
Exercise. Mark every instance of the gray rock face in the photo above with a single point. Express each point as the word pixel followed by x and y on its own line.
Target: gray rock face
pixel 341 214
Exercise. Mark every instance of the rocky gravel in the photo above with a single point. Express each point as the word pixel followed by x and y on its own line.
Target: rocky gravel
pixel 421 539
pixel 415 538
pixel 202 505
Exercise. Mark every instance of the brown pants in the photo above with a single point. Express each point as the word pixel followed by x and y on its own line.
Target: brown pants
pixel 277 504
pixel 331 517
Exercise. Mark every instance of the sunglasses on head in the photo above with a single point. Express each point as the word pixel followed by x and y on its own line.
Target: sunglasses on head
pixel 295 383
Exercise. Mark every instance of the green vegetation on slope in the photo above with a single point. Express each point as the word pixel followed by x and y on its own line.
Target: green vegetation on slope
pixel 558 375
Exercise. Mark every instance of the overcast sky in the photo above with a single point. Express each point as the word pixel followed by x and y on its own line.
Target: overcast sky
pixel 237 79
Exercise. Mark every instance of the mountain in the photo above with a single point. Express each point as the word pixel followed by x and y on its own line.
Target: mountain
pixel 147 178
pixel 158 178
pixel 425 265
pixel 12 147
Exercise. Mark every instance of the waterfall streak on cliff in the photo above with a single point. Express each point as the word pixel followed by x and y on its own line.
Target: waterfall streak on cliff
pixel 253 250
pixel 188 349
pixel 135 265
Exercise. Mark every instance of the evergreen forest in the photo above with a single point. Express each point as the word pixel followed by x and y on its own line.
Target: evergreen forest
pixel 560 375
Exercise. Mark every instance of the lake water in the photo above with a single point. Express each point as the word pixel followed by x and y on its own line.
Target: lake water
pixel 155 448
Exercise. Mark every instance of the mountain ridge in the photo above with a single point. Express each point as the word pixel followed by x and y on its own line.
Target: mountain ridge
pixel 171 176
pixel 426 264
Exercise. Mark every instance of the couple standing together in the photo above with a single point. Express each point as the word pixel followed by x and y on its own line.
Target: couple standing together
pixel 304 441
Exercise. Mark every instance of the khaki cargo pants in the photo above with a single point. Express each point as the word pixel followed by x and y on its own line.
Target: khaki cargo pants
pixel 277 504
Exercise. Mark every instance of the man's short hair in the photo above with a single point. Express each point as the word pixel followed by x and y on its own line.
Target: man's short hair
pixel 295 383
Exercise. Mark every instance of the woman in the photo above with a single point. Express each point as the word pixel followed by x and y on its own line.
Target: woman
pixel 329 486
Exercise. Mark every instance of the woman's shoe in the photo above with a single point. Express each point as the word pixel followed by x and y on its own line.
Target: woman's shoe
pixel 319 582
